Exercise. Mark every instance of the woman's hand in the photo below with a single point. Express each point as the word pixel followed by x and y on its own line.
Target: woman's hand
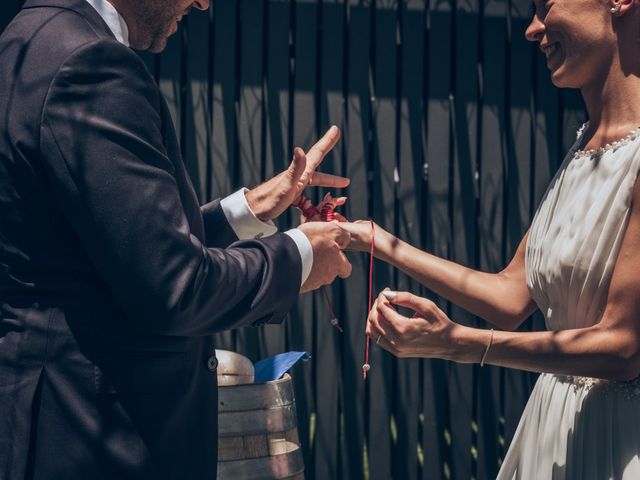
pixel 361 237
pixel 429 333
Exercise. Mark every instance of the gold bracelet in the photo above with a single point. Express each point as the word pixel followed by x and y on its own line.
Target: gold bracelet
pixel 484 355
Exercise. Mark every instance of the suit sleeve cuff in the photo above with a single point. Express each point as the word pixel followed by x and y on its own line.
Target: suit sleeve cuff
pixel 305 249
pixel 243 221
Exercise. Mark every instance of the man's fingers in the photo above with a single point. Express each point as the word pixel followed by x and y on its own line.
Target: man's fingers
pixel 343 238
pixel 327 180
pixel 345 266
pixel 323 146
pixel 298 164
pixel 315 155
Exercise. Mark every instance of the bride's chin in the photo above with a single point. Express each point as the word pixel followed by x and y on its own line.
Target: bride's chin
pixel 561 78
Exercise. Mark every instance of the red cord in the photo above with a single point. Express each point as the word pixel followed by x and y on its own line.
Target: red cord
pixel 307 208
pixel 334 319
pixel 326 214
pixel 366 367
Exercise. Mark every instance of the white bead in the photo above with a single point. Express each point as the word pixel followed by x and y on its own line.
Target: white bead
pixel 366 367
pixel 334 321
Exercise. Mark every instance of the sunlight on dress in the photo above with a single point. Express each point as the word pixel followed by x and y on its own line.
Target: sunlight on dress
pixel 579 427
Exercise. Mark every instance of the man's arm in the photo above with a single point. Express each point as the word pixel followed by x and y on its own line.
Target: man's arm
pixel 248 214
pixel 231 218
pixel 101 140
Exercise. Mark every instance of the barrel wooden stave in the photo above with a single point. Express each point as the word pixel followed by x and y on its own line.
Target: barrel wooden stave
pixel 258 435
pixel 286 466
pixel 238 398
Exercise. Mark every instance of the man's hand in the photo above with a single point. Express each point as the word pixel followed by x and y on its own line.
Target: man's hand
pixel 269 199
pixel 327 240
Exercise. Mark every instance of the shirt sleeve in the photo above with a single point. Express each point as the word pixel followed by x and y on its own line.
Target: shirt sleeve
pixel 242 219
pixel 305 249
pixel 247 226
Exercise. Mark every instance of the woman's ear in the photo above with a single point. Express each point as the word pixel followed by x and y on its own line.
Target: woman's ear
pixel 620 7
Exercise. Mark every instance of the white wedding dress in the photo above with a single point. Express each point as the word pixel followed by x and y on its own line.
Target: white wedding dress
pixel 579 428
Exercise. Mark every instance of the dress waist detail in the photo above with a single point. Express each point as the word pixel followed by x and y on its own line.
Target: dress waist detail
pixel 629 389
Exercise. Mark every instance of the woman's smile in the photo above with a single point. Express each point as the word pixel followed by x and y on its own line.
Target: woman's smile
pixel 553 54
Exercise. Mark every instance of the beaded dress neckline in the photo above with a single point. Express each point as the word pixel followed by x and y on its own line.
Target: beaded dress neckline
pixel 613 146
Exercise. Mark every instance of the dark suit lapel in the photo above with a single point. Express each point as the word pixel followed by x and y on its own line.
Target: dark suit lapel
pixel 79 6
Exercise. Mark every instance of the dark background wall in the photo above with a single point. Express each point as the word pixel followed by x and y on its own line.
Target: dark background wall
pixel 451 132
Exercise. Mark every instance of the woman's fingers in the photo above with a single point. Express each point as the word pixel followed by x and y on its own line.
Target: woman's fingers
pixel 373 323
pixel 425 307
pixel 377 332
pixel 391 321
pixel 385 334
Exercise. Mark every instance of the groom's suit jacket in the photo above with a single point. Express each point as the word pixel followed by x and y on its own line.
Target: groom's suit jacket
pixel 111 274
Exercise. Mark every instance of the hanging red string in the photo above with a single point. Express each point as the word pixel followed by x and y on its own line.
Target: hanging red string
pixel 367 366
pixel 325 214
pixel 334 319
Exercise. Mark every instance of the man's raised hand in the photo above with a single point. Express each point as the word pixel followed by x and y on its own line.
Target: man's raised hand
pixel 269 199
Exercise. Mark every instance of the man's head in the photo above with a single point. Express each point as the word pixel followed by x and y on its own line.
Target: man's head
pixel 152 22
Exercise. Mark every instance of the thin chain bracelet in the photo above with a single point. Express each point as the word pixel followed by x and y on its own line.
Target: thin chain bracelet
pixel 484 355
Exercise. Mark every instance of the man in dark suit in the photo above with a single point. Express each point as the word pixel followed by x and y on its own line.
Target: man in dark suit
pixel 111 274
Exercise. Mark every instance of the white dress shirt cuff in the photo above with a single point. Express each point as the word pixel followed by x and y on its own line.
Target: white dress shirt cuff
pixel 305 249
pixel 243 221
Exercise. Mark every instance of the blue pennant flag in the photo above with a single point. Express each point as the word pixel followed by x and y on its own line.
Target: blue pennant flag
pixel 275 367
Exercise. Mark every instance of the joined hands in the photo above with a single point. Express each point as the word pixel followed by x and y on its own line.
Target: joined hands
pixel 271 198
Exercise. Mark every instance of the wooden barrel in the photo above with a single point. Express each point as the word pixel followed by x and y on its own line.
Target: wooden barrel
pixel 258 433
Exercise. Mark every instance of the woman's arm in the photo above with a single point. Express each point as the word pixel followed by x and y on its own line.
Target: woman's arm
pixel 501 298
pixel 610 349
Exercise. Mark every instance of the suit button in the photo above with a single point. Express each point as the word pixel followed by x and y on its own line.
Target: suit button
pixel 212 363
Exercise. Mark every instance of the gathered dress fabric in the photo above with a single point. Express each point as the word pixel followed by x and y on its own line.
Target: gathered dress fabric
pixel 579 427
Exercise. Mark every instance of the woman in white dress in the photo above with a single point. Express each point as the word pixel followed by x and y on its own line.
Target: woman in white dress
pixel 579 263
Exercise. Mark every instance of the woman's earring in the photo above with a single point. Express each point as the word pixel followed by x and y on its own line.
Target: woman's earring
pixel 615 9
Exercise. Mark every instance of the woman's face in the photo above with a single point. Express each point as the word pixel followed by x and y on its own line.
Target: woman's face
pixel 577 38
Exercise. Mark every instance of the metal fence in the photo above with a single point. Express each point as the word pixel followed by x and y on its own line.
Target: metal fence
pixel 451 132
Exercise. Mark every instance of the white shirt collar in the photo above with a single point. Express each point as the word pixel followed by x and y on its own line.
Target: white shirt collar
pixel 113 19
